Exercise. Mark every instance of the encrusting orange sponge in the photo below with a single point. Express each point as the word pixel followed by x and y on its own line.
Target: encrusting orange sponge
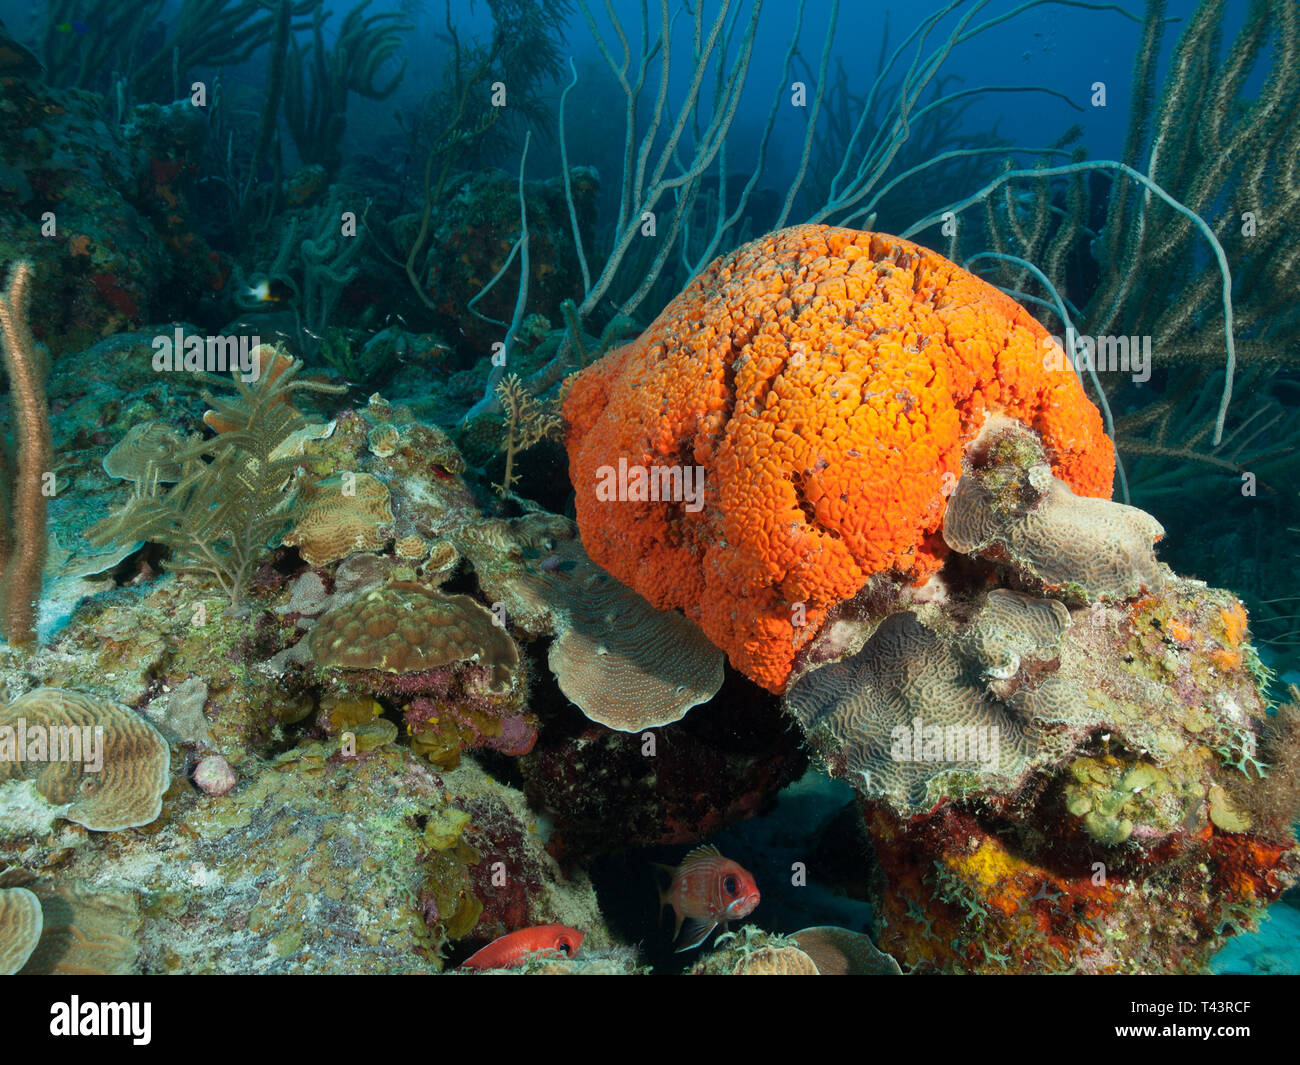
pixel 823 381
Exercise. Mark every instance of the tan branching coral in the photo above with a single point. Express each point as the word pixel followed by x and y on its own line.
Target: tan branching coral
pixel 102 761
pixel 528 422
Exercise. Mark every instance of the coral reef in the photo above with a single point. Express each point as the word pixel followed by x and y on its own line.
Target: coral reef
pixel 124 247
pixel 229 501
pixel 1052 785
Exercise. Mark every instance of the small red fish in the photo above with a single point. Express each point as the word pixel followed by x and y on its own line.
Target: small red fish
pixel 707 890
pixel 514 949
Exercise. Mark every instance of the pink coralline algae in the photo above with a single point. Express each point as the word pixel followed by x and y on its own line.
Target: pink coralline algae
pixel 213 775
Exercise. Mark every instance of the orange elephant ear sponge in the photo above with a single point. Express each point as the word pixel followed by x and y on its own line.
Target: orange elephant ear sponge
pixel 781 432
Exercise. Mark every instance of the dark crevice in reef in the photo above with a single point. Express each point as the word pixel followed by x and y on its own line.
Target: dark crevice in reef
pixel 799 482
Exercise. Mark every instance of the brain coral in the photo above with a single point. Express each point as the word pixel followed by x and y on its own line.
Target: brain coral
pixel 905 712
pixel 342 514
pixel 825 380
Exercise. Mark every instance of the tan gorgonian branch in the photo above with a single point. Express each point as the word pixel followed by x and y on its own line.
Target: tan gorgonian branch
pixel 528 422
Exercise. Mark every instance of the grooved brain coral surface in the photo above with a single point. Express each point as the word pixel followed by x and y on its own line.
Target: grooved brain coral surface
pixel 825 380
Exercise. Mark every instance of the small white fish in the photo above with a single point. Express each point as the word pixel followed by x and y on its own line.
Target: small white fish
pixel 269 291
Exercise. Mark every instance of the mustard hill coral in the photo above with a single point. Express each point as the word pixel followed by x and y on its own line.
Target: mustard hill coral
pixel 1113 797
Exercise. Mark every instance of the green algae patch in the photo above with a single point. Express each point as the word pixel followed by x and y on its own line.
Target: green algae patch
pixel 1225 814
pixel 1113 797
pixel 443 829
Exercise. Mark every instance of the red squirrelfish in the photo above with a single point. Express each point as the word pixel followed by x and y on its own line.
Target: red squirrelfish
pixel 512 950
pixel 707 890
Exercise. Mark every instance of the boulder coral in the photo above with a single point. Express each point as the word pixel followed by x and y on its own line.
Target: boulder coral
pixel 456 673
pixel 825 381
